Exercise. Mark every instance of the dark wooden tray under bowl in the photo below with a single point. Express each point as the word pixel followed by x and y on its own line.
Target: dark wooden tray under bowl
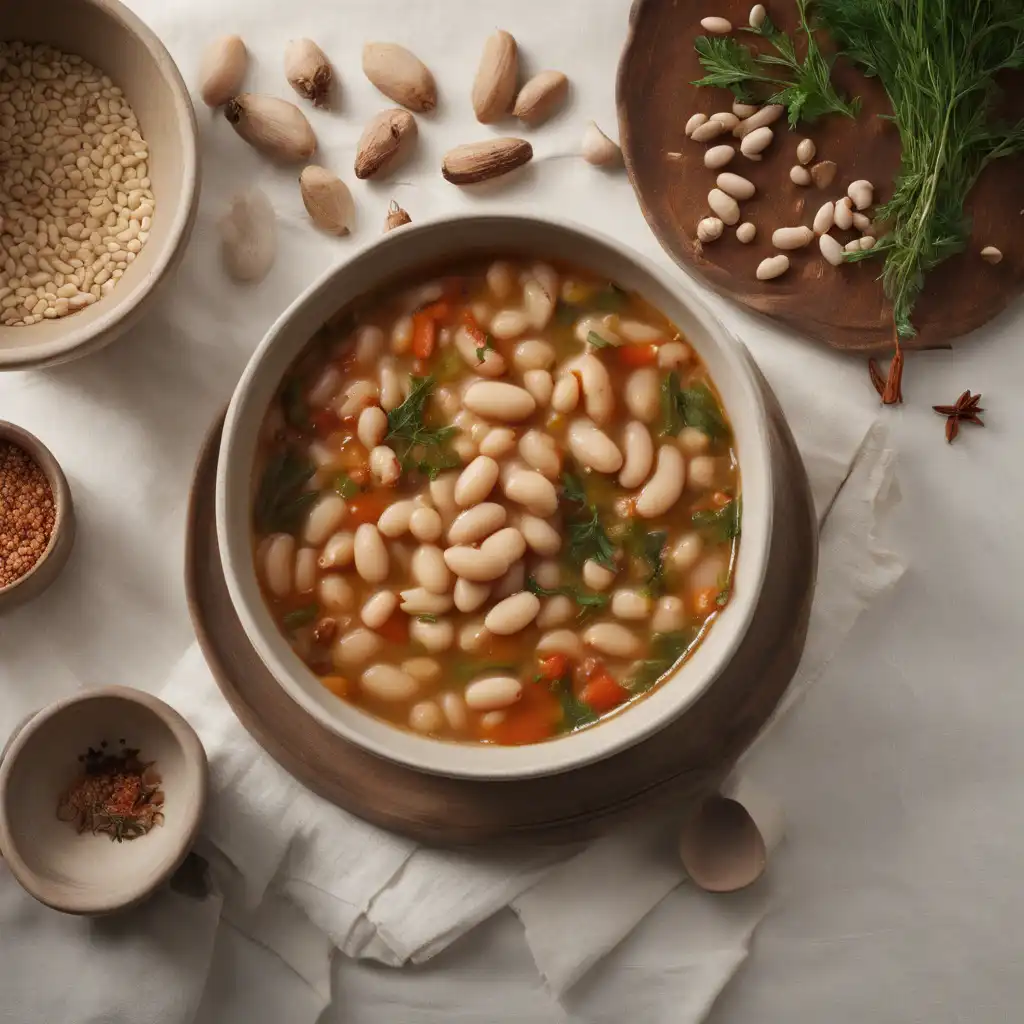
pixel 687 758
pixel 844 307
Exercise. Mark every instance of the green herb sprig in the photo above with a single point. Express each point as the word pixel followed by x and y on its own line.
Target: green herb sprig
pixel 417 445
pixel 695 406
pixel 666 650
pixel 803 86
pixel 281 498
pixel 938 61
pixel 588 539
pixel 588 600
pixel 723 523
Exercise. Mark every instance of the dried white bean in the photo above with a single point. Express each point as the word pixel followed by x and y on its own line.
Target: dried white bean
pixel 538 305
pixel 746 232
pixel 391 396
pixel 533 354
pixel 434 636
pixel 454 708
pixel 824 218
pixel 540 452
pixel 556 612
pixel 513 614
pixel 379 607
pixel 664 488
pixel 540 384
pixel 356 647
pixel 371 556
pixel 596 385
pixel 531 489
pixel 724 205
pixel 476 523
pixel 338 551
pixel 507 543
pixel 566 394
pixel 867 242
pixel 540 536
pixel 473 635
pixel 372 426
pixel 469 596
pixel 425 524
pixel 862 222
pixel 726 118
pixel 718 26
pixel 613 639
pixel 707 131
pixel 395 519
pixel 336 593
pixel 639 333
pixel 718 156
pixel 643 395
pixel 423 670
pixel 596 576
pixel 498 441
pixel 426 717
pixel 548 574
pixel 990 254
pixel 792 238
pixel 476 481
pixel 593 447
pixel 768 114
pixel 499 401
pixel 493 693
pixel 429 570
pixel 401 335
pixel 639 457
pixel 508 323
pixel 305 570
pixel 384 465
pixel 831 250
pixel 757 15
pixel 669 615
pixel 695 121
pixel 472 564
pixel 709 229
pixel 500 279
pixel 442 494
pixel 735 185
pixel 595 323
pixel 774 266
pixel 387 682
pixel 862 193
pixel 324 518
pixel 488 362
pixel 757 141
pixel 692 441
pixel 278 563
pixel 799 175
pixel 630 605
pixel 743 110
pixel 805 151
pixel 684 553
pixel 702 471
pixel 844 214
pixel 561 641
pixel 511 583
pixel 852 246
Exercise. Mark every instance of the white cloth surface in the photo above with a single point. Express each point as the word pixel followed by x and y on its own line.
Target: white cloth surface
pixel 127 422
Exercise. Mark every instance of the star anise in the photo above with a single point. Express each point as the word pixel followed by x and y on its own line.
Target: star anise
pixel 965 409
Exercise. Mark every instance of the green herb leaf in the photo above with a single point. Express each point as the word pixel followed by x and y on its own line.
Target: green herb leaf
pixel 427 618
pixel 724 522
pixel 666 650
pixel 346 486
pixel 695 406
pixel 575 714
pixel 595 339
pixel 482 350
pixel 588 538
pixel 281 499
pixel 565 314
pixel 589 601
pixel 411 438
pixel 611 298
pixel 671 417
pixel 301 617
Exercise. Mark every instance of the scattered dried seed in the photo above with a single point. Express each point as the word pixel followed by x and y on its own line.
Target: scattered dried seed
pixel 767 115
pixel 862 193
pixel 867 242
pixel 726 118
pixel 844 214
pixel 707 131
pixel 327 199
pixel 308 71
pixel 597 148
pixel 710 229
pixel 774 266
pixel 718 156
pixel 862 222
pixel 792 238
pixel 717 26
pixel 824 219
pixel 990 254
pixel 746 232
pixel 800 175
pixel 743 110
pixel 736 186
pixel 824 173
pixel 724 205
pixel 757 141
pixel 696 120
pixel 831 250
pixel 805 151
pixel 757 15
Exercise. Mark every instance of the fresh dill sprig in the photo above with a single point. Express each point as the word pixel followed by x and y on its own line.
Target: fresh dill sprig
pixel 416 444
pixel 804 87
pixel 937 60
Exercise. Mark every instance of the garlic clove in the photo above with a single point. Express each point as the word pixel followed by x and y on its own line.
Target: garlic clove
pixel 308 71
pixel 276 128
pixel 327 200
pixel 248 232
pixel 222 70
pixel 396 218
pixel 400 75
pixel 597 148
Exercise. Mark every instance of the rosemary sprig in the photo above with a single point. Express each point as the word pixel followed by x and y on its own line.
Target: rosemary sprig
pixel 804 87
pixel 937 60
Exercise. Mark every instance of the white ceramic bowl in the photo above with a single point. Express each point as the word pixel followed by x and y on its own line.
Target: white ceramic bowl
pixel 421 248
pixel 116 41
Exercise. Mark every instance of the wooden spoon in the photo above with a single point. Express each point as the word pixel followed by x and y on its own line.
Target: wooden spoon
pixel 721 846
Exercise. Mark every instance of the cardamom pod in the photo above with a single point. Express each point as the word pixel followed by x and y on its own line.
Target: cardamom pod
pixel 308 71
pixel 275 127
pixel 327 200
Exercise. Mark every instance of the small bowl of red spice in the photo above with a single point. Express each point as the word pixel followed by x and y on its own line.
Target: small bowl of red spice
pixel 37 518
pixel 101 798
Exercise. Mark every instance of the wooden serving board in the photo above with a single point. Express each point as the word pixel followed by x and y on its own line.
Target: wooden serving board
pixel 686 759
pixel 844 307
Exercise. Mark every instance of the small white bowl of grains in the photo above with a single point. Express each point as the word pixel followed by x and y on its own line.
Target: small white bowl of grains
pixel 99 182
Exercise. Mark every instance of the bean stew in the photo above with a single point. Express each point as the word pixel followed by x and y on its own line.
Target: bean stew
pixel 497 505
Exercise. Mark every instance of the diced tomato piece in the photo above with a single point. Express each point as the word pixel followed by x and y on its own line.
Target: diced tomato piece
pixel 437 311
pixel 705 601
pixel 338 685
pixel 554 666
pixel 602 693
pixel 396 629
pixel 721 499
pixel 424 335
pixel 536 717
pixel 473 328
pixel 324 422
pixel 367 508
pixel 637 355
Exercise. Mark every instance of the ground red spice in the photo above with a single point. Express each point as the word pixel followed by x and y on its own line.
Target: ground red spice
pixel 27 513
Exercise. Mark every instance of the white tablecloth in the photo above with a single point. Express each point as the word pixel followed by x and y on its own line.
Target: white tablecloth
pixel 898 896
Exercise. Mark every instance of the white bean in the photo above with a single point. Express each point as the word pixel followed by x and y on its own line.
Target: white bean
pixel 639 449
pixel 492 719
pixel 540 452
pixel 669 615
pixel 356 647
pixel 630 604
pixel 692 441
pixel 735 185
pixel 768 114
pixel 595 323
pixel 278 564
pixel 326 387
pixel 388 682
pixel 338 551
pixel 593 447
pixel 476 481
pixel 500 280
pixel 395 519
pixel 643 395
pixel 792 238
pixel 702 472
pixel 420 601
pixel 372 426
pixel 540 536
pixel 596 385
pixel 556 611
pixel 473 635
pixel 710 571
pixel 695 121
pixel 709 229
pixel 746 232
pixel 513 614
pixel 498 441
pixel 371 556
pixel 566 394
pixel 424 670
pixel 862 193
pixel 707 131
pixel 442 494
pixel 511 583
pixel 454 708
pixel 674 354
pixel 862 222
pixel 476 523
pixel 426 717
pixel 717 26
pixel 533 355
pixel 488 362
pixel 369 345
pixel 401 335
pixel 507 544
pixel 324 518
pixel 429 569
pixel 493 693
pixel 390 386
pixel 684 553
pixel 540 384
pixel 425 524
pixel 805 151
pixel 772 267
pixel 472 564
pixel 548 574
pixel 378 608
pixel 336 593
pixel 867 242
pixel 757 140
pixel 538 305
pixel 384 465
pixel 527 487
pixel 499 401
pixel 434 636
pixel 757 15
pixel 561 641
pixel 613 639
pixel 469 595
pixel 597 576
pixel 665 487
pixel 824 218
pixel 743 110
pixel 800 176
pixel 727 118
pixel 831 250
pixel 508 323
pixel 844 214
pixel 305 570
pixel 724 206
pixel 718 156
pixel 639 333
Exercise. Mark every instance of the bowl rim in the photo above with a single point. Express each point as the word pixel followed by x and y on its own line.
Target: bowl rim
pixel 194 756
pixel 81 341
pixel 28 442
pixel 483 761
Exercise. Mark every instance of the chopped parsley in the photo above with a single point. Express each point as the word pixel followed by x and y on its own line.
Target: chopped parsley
pixel 666 650
pixel 301 617
pixel 595 339
pixel 588 600
pixel 346 486
pixel 611 299
pixel 417 445
pixel 427 618
pixel 723 523
pixel 482 350
pixel 695 406
pixel 588 539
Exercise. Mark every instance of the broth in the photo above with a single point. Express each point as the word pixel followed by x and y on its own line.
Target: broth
pixel 496 506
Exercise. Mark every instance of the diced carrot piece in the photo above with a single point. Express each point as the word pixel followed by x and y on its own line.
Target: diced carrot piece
pixel 554 666
pixel 396 629
pixel 705 601
pixel 602 693
pixel 367 508
pixel 536 717
pixel 721 499
pixel 437 311
pixel 637 355
pixel 473 328
pixel 338 685
pixel 424 335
